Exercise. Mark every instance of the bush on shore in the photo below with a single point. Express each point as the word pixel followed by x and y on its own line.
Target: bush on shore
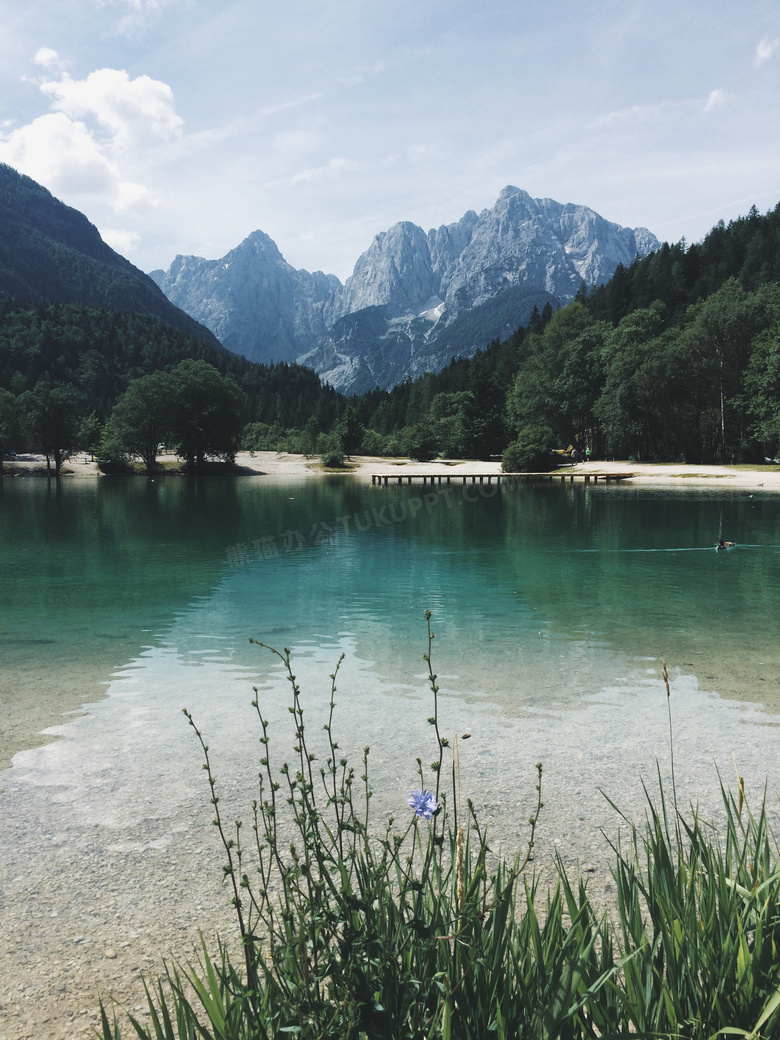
pixel 530 452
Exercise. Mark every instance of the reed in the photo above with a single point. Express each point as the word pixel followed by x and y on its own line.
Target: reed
pixel 419 931
pixel 699 924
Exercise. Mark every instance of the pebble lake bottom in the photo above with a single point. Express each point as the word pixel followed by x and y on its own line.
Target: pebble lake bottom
pixel 552 608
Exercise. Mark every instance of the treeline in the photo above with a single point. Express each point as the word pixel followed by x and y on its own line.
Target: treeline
pixel 701 388
pixel 747 249
pixel 676 358
pixel 75 364
pixel 100 352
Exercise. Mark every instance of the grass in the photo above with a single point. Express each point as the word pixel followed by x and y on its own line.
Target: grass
pixel 416 930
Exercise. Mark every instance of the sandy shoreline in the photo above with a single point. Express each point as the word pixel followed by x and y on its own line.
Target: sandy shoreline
pixel 282 464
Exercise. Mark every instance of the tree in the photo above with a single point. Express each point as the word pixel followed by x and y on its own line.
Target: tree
pixel 719 334
pixel 52 415
pixel 350 431
pixel 141 420
pixel 559 380
pixel 207 415
pixel 531 452
pixel 420 442
pixel 762 379
pixel 257 436
pixel 452 417
pixel 309 436
pixel 10 430
pixel 373 443
pixel 90 434
pixel 626 416
pixel 111 454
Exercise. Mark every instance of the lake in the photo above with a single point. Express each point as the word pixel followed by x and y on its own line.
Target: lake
pixel 541 596
pixel 552 608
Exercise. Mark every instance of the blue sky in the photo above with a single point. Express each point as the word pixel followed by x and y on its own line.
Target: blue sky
pixel 180 126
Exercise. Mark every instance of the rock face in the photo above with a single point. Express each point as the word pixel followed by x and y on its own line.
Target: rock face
pixel 414 300
pixel 395 272
pixel 253 301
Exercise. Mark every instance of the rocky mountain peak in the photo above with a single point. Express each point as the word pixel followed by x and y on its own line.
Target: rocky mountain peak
pixel 406 307
pixel 394 272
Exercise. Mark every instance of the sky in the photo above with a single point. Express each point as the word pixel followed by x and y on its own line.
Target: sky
pixel 181 126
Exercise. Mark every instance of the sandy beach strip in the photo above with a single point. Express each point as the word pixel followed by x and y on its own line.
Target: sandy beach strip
pixel 283 464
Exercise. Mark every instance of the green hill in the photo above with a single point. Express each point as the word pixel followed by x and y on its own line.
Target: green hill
pixel 49 251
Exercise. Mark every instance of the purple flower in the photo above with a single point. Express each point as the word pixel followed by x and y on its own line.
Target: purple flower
pixel 423 803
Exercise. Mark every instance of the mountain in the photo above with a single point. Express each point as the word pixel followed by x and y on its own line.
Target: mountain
pixel 253 301
pixel 52 253
pixel 414 300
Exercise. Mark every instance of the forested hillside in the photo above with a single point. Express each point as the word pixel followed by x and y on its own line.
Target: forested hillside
pixel 100 352
pixel 51 252
pixel 676 358
pixel 80 326
pixel 79 362
pixel 748 250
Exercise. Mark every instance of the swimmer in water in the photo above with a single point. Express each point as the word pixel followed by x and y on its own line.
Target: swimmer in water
pixel 723 545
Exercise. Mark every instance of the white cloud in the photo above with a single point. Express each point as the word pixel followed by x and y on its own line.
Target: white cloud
pixel 765 50
pixel 129 196
pixel 294 142
pixel 122 241
pixel 291 103
pixel 137 113
pixel 62 154
pixel 334 168
pixel 47 58
pixel 426 115
pixel 139 16
pixel 633 115
pixel 101 130
pixel 715 100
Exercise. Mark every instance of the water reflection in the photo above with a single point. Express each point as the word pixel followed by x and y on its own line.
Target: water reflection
pixel 535 590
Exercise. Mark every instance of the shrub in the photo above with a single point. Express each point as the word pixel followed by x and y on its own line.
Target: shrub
pixel 111 454
pixel 332 458
pixel 530 452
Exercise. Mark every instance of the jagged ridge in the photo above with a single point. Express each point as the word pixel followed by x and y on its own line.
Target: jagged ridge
pixel 410 292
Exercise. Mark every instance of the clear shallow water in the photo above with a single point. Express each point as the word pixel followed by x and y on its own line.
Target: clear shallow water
pixel 552 608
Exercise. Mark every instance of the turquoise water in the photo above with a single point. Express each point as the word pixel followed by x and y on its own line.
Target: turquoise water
pixel 552 608
pixel 547 602
pixel 95 571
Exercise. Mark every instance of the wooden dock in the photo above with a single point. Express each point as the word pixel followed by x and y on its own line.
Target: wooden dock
pixel 514 479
